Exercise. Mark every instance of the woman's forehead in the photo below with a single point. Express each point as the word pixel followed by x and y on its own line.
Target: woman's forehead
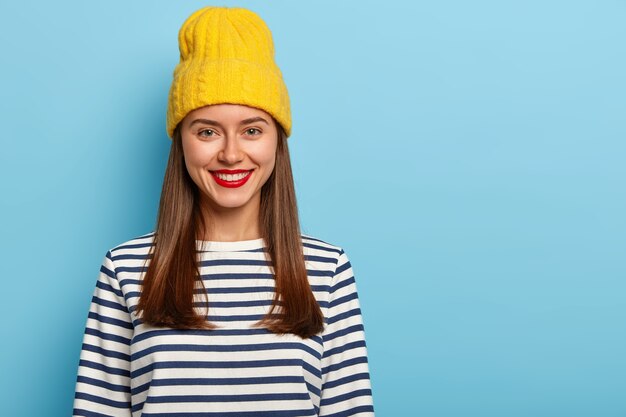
pixel 228 112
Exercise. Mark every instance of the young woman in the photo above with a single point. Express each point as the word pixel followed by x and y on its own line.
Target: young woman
pixel 226 309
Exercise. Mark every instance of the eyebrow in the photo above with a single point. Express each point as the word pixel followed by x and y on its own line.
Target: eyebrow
pixel 216 123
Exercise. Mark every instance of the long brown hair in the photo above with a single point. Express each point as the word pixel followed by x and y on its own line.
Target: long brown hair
pixel 167 296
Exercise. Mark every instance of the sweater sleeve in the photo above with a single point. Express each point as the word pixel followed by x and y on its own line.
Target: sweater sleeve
pixel 103 382
pixel 346 387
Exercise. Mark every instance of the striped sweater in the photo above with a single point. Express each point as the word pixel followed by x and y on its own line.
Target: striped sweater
pixel 128 368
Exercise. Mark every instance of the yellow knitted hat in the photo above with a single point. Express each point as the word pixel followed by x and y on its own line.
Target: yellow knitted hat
pixel 227 56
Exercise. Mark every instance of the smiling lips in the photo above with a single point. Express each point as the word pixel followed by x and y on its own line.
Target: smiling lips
pixel 231 178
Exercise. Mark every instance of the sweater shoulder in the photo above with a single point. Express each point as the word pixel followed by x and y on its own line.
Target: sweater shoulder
pixel 137 245
pixel 315 246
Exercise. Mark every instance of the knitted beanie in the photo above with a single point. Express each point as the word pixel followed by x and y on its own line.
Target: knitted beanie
pixel 227 56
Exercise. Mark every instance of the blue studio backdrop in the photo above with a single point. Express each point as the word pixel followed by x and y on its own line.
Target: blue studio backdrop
pixel 468 156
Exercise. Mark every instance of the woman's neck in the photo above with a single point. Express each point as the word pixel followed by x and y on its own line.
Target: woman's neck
pixel 232 224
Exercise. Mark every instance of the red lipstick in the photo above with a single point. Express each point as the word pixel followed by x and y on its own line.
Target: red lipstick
pixel 231 184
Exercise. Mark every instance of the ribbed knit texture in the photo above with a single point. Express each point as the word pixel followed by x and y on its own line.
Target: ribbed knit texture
pixel 130 369
pixel 227 56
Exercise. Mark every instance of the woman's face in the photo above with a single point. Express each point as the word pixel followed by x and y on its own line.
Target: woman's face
pixel 230 152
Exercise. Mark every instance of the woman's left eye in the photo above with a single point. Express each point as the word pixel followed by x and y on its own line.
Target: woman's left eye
pixel 253 131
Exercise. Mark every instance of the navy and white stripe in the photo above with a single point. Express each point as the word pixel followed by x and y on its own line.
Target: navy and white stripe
pixel 130 369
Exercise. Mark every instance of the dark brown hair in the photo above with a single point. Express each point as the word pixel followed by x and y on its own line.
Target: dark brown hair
pixel 172 277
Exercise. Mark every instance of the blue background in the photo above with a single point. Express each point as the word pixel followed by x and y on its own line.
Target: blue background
pixel 468 156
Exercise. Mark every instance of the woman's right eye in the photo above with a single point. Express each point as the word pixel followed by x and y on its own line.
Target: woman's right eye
pixel 206 133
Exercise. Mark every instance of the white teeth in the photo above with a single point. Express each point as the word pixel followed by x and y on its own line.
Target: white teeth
pixel 232 177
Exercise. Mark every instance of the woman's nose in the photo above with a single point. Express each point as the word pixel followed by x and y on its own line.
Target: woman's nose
pixel 231 152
